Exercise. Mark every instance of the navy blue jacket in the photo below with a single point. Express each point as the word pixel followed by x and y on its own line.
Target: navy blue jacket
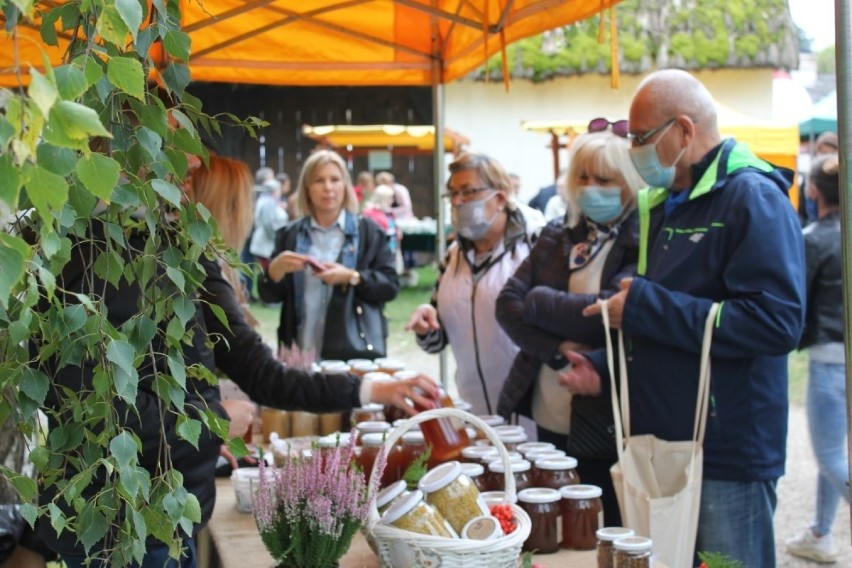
pixel 736 240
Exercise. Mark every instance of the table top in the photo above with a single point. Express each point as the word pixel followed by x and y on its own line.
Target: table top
pixel 237 542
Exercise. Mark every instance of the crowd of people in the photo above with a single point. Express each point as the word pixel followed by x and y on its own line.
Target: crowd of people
pixel 657 214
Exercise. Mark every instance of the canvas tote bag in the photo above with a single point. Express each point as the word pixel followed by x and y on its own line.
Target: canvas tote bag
pixel 658 482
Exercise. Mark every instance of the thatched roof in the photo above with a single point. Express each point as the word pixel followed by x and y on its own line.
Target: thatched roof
pixel 655 34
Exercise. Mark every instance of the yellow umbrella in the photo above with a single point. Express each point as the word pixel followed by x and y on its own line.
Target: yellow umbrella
pixel 396 136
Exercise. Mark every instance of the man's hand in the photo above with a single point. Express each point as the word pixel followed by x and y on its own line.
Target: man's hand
pixel 615 304
pixel 423 320
pixel 420 390
pixel 582 378
pixel 241 415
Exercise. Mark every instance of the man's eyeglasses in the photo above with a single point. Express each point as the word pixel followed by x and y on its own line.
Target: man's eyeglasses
pixel 619 127
pixel 642 139
pixel 465 194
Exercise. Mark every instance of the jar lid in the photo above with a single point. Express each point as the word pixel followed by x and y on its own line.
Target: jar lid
pixel 354 362
pixel 402 506
pixel 414 437
pixel 439 476
pixel 566 462
pixel 462 405
pixel 334 440
pixel 508 429
pixel 535 446
pixel 334 367
pixel 536 455
pixel 580 492
pixel 245 474
pixel 513 437
pixel 470 431
pixel 492 419
pixel 476 452
pixel 390 493
pixel 515 466
pixel 472 469
pixel 372 426
pixel 403 375
pixel 493 497
pixel 633 543
pixel 539 495
pixel 371 407
pixel 391 364
pixel 484 527
pixel 373 439
pixel 495 456
pixel 331 363
pixel 610 534
pixel 364 366
pixel 378 377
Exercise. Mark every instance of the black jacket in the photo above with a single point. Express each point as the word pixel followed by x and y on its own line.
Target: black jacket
pixel 824 281
pixel 239 352
pixel 375 264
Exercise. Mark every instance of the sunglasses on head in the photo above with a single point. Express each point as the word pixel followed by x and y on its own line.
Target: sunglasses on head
pixel 619 127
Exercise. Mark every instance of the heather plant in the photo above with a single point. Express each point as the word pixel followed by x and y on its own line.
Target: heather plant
pixel 309 508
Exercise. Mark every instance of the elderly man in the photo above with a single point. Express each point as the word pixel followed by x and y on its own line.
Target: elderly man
pixel 719 228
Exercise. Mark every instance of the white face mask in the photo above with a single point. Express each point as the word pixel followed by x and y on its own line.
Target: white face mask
pixel 647 162
pixel 469 218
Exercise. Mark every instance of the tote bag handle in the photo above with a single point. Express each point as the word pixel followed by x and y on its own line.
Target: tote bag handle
pixel 621 408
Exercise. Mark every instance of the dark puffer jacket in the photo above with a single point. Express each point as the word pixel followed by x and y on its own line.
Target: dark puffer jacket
pixel 824 281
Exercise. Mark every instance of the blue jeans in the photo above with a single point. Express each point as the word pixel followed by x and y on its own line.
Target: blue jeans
pixel 156 556
pixel 736 519
pixel 826 408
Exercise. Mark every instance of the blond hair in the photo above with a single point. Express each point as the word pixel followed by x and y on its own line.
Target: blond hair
pixel 314 162
pixel 605 154
pixel 225 189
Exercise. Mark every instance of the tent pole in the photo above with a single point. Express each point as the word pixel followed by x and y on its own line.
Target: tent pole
pixel 842 49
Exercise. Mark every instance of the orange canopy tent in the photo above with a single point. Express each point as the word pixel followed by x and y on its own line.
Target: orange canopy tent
pixel 374 136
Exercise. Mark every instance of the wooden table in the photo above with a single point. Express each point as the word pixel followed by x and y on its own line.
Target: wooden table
pixel 235 543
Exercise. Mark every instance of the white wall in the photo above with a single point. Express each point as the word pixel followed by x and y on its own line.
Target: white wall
pixel 491 118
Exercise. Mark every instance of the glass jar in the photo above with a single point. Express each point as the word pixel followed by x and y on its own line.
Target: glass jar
pixel 453 494
pixel 556 472
pixel 527 447
pixel 485 527
pixel 582 516
pixel 632 552
pixel 386 496
pixel 389 366
pixel 497 478
pixel 334 367
pixel 412 513
pixel 361 367
pixel 370 427
pixel 476 473
pixel 513 439
pixel 327 444
pixel 274 420
pixel 396 463
pixel 491 498
pixel 491 420
pixel 413 444
pixel 303 424
pixel 473 454
pixel 370 445
pixel 508 429
pixel 542 505
pixel 606 536
pixel 536 455
pixel 368 413
pixel 446 439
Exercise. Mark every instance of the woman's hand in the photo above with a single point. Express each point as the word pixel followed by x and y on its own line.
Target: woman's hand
pixel 335 274
pixel 241 414
pixel 285 263
pixel 423 320
pixel 420 390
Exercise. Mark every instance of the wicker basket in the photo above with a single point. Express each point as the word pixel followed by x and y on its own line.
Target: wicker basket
pixel 397 548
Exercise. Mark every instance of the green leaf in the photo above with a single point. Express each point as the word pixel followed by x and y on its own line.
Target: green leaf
pixel 57 518
pixel 220 315
pixel 29 512
pixel 189 430
pixel 176 77
pixel 25 487
pixel 99 174
pixel 10 181
pixel 71 81
pixel 100 382
pixel 168 191
pixel 130 12
pixel 34 384
pixel 48 191
pixel 177 44
pixel 184 309
pixel 188 142
pixel 152 116
pixel 93 526
pixel 126 384
pixel 177 369
pixel 111 26
pixel 42 91
pixel 70 124
pixel 60 161
pixel 175 330
pixel 177 277
pixel 94 71
pixel 150 141
pixel 48 27
pixel 14 253
pixel 6 131
pixel 200 232
pixel 123 448
pixel 110 266
pixel 39 457
pixel 122 354
pixel 73 318
pixel 126 73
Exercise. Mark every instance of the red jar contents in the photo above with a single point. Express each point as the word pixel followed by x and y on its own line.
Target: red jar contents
pixel 446 439
pixel 412 445
pixel 542 505
pixel 368 413
pixel 497 476
pixel 370 446
pixel 556 472
pixel 582 516
pixel 476 473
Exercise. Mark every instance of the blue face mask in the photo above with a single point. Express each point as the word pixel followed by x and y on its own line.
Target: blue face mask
pixel 600 204
pixel 647 162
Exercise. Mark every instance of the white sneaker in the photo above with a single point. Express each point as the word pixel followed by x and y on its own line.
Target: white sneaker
pixel 816 548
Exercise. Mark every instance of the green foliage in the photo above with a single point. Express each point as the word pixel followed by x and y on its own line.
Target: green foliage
pixel 92 138
pixel 718 560
pixel 826 60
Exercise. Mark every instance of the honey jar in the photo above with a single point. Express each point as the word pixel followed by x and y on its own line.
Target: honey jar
pixel 542 505
pixel 582 516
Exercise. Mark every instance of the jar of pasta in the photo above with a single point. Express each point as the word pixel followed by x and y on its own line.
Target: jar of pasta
pixel 453 494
